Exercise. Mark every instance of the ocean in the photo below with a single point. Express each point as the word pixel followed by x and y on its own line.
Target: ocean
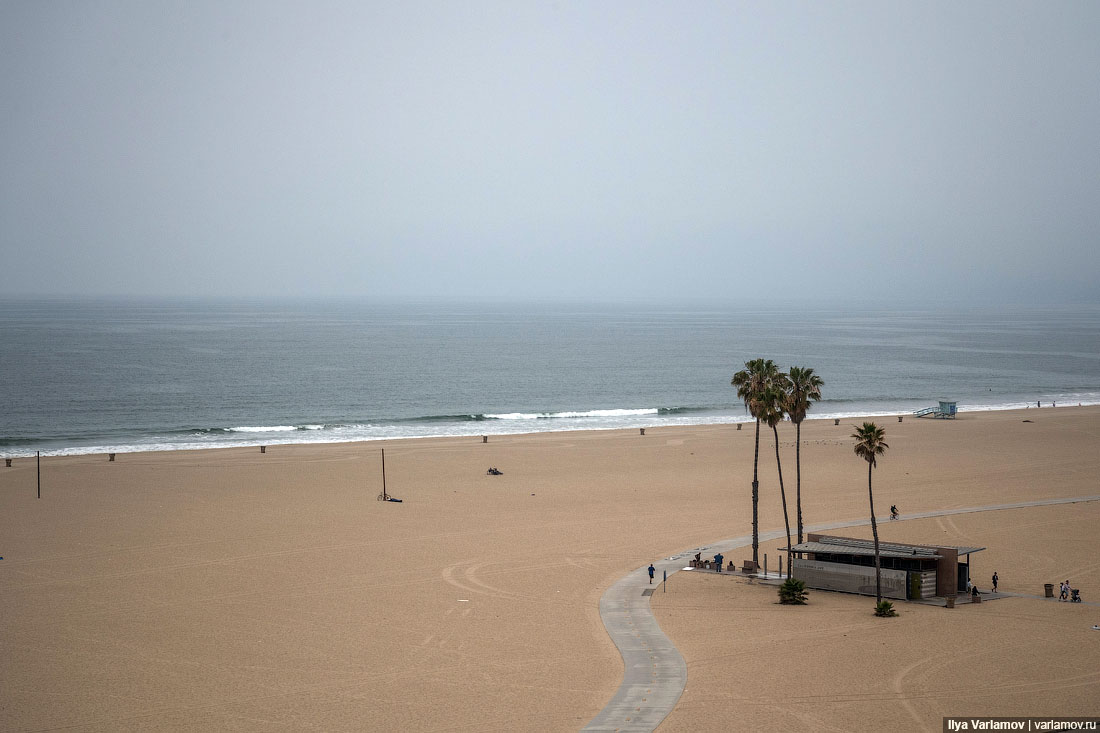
pixel 113 375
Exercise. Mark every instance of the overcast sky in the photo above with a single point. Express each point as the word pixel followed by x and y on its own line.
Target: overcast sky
pixel 576 149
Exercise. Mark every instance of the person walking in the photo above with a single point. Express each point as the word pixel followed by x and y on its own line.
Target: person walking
pixel 1064 591
pixel 652 570
pixel 994 581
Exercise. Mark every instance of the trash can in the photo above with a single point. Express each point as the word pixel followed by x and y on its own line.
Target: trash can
pixel 1049 588
pixel 950 601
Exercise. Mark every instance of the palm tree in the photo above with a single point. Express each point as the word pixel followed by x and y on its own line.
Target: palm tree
pixel 803 386
pixel 773 404
pixel 751 383
pixel 793 592
pixel 870 445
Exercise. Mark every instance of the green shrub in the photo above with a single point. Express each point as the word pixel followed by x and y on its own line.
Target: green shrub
pixel 885 608
pixel 793 592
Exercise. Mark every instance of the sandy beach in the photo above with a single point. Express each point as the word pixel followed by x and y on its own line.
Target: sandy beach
pixel 234 590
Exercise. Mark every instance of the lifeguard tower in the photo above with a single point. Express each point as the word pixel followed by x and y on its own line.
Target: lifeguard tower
pixel 945 410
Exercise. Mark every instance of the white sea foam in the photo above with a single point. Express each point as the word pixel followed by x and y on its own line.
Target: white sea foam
pixel 565 421
pixel 570 414
pixel 263 429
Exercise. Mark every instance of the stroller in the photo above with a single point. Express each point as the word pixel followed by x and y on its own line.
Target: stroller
pixel 1074 595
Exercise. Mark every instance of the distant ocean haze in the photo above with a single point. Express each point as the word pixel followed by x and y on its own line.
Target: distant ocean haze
pixel 87 376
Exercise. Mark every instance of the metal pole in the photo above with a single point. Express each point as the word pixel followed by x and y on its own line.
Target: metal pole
pixel 765 564
pixel 38 461
pixel 663 588
pixel 384 496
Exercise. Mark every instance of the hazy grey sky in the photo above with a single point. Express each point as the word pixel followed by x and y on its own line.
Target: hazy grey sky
pixel 575 149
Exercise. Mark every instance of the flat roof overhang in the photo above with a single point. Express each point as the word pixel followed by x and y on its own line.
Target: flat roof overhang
pixel 851 546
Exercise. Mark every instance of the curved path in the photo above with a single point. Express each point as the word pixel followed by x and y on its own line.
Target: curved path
pixel 654 672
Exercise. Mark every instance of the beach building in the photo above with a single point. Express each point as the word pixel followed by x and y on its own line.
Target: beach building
pixel 909 572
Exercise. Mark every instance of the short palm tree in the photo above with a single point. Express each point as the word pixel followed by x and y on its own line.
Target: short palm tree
pixel 751 383
pixel 772 409
pixel 793 592
pixel 869 446
pixel 803 387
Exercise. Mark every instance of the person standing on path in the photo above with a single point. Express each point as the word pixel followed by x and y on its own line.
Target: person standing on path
pixel 652 570
pixel 994 581
pixel 718 562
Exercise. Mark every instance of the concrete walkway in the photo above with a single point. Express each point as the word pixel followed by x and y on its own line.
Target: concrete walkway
pixel 654 672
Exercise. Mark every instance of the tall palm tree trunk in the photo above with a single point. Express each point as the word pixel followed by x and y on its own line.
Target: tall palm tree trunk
pixel 798 478
pixel 874 531
pixel 756 499
pixel 783 496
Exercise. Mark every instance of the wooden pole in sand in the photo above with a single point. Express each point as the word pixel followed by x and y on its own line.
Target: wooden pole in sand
pixel 384 495
pixel 38 461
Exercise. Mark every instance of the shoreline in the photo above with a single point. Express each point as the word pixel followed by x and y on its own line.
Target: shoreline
pixel 129 448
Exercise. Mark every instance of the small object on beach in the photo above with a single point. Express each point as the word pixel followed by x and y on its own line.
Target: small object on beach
pixel 263 449
pixel 1095 627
